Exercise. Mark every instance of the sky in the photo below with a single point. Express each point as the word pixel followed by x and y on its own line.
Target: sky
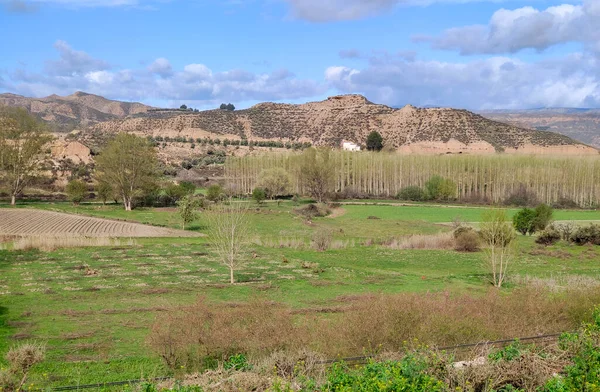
pixel 473 54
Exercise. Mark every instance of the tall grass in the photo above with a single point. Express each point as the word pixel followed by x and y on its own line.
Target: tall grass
pixel 422 241
pixel 477 178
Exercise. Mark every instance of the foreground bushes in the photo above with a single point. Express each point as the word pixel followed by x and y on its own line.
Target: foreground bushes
pixel 198 335
pixel 571 366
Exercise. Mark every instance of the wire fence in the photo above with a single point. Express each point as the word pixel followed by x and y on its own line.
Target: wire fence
pixel 354 360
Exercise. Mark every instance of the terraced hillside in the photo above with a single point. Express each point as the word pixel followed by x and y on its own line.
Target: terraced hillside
pixel 24 222
pixel 352 118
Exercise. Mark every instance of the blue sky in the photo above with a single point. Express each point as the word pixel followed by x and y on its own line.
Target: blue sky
pixel 466 54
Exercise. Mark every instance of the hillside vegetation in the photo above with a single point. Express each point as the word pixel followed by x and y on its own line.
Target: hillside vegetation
pixel 352 118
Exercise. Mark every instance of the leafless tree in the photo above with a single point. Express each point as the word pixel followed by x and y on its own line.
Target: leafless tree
pixel 229 234
pixel 498 235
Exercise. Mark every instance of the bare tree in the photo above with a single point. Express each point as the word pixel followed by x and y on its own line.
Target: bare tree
pixel 229 234
pixel 498 235
pixel 317 172
pixel 23 139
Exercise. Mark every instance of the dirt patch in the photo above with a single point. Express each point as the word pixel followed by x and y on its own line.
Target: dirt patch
pixel 337 212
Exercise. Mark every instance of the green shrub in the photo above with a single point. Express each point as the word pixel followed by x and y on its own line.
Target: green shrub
pixel 584 372
pixel 259 195
pixel 237 362
pixel 439 188
pixel 523 221
pixel 409 375
pixel 174 193
pixel 76 191
pixel 411 193
pixel 215 193
pixel 543 216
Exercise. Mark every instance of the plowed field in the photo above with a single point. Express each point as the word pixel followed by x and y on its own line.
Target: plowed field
pixel 24 222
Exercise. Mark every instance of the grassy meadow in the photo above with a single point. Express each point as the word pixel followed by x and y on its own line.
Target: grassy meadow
pixel 94 307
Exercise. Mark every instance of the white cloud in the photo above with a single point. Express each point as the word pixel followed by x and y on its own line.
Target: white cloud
pixel 73 62
pixel 496 82
pixel 162 67
pixel 77 70
pixel 509 31
pixel 337 10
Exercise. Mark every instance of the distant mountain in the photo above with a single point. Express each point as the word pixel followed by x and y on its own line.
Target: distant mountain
pixel 351 118
pixel 73 111
pixel 578 123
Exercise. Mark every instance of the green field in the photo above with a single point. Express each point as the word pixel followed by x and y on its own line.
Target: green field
pixel 95 324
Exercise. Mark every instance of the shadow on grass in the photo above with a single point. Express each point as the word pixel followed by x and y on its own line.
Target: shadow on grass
pixel 197 228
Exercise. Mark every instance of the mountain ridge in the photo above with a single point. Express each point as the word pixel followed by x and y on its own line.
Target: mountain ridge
pixel 79 109
pixel 582 124
pixel 352 117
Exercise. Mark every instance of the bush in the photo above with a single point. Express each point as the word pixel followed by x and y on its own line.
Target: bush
pixel 20 359
pixel 523 221
pixel 321 239
pixel 521 198
pixel 189 187
pixel 259 195
pixel 174 193
pixel 408 375
pixel 543 216
pixel 565 230
pixel 312 210
pixel 411 193
pixel 549 236
pixel 439 188
pixel 215 193
pixel 565 203
pixel 587 235
pixel 76 191
pixel 466 239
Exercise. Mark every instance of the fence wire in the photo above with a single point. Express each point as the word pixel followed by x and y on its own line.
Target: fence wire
pixel 354 360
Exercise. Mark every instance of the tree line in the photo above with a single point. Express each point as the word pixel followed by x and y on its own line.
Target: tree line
pixel 492 179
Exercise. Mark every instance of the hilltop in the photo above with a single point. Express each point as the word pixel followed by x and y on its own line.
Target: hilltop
pixel 580 124
pixel 351 117
pixel 74 111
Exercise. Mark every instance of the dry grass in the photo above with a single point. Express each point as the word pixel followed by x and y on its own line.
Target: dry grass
pixel 434 241
pixel 370 323
pixel 50 243
pixel 282 242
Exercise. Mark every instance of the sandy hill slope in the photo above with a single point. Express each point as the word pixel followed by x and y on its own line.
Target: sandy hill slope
pixel 73 111
pixel 352 117
pixel 580 124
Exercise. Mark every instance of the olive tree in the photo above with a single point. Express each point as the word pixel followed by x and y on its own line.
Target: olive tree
pixel 187 207
pixel 128 164
pixel 23 142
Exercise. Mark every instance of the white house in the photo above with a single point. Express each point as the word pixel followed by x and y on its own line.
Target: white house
pixel 349 146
